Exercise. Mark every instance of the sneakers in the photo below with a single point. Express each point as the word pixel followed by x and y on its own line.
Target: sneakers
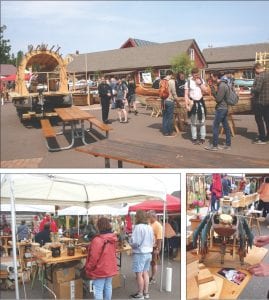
pixel 202 141
pixel 152 280
pixel 170 135
pixel 135 112
pixel 138 296
pixel 195 142
pixel 226 147
pixel 259 142
pixel 146 296
pixel 212 148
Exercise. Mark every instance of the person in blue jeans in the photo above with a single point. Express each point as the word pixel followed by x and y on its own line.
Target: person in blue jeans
pixel 221 112
pixel 168 106
pixel 101 263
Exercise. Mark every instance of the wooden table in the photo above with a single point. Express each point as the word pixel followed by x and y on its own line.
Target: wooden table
pixel 73 116
pixel 153 155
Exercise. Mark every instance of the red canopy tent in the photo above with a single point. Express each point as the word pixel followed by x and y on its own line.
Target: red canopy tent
pixel 172 205
pixel 12 77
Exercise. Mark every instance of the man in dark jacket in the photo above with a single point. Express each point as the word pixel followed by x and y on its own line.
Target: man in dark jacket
pixel 260 93
pixel 221 113
pixel 43 236
pixel 105 93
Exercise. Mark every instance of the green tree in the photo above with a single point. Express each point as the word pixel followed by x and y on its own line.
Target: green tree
pixel 5 48
pixel 182 63
pixel 20 55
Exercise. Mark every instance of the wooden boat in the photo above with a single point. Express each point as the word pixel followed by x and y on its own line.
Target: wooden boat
pixel 242 107
pixel 146 90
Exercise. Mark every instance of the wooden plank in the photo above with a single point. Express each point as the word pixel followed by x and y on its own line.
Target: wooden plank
pixel 207 289
pixel 163 156
pixel 204 275
pixel 47 129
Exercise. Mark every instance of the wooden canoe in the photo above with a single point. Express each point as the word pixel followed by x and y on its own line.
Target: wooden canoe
pixel 146 91
pixel 242 107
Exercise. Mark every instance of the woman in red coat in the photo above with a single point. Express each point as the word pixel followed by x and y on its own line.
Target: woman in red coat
pixel 101 264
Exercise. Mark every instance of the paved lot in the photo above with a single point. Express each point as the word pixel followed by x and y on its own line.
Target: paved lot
pixel 128 285
pixel 24 143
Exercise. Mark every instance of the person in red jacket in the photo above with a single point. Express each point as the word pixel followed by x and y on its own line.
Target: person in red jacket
pixel 48 219
pixel 101 264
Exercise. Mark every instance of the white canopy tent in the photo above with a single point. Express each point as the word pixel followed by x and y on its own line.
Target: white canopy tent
pixel 81 190
pixel 28 208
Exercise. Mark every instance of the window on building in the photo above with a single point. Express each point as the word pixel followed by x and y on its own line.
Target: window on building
pixel 163 73
pixel 248 74
pixel 191 51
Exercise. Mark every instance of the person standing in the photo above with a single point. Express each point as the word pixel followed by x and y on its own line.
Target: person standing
pixel 142 241
pixel 226 187
pixel 105 93
pixel 168 106
pixel 48 219
pixel 263 192
pixel 180 84
pixel 260 94
pixel 43 236
pixel 194 88
pixel 101 263
pixel 121 100
pixel 131 96
pixel 158 236
pixel 112 84
pixel 221 111
pixel 23 231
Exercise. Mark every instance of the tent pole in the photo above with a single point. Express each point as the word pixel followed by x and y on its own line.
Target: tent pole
pixel 162 269
pixel 13 228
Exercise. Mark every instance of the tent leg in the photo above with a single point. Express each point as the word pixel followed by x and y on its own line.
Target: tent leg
pixel 13 228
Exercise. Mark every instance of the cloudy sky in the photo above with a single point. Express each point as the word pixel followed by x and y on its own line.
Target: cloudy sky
pixel 90 26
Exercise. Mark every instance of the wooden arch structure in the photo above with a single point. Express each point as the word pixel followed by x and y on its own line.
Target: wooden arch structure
pixel 48 61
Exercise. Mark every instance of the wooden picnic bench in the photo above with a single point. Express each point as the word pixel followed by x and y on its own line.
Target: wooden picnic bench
pixel 47 130
pixel 151 155
pixel 99 124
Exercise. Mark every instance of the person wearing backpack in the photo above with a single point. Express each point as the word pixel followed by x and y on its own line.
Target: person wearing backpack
pixel 105 93
pixel 260 94
pixel 221 110
pixel 194 89
pixel 168 95
pixel 121 100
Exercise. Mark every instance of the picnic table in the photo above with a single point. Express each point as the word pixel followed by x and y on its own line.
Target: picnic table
pixel 151 155
pixel 75 118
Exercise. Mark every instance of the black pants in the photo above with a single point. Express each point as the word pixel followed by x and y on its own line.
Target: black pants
pixel 261 113
pixel 105 102
pixel 264 206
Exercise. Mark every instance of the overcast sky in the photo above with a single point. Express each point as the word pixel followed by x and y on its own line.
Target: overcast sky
pixel 90 26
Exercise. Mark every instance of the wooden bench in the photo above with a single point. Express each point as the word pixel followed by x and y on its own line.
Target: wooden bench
pixel 99 124
pixel 49 134
pixel 47 129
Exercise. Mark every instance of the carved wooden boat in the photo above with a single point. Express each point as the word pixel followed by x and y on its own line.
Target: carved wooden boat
pixel 145 90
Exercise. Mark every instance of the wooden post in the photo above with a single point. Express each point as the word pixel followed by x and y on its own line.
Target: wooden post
pixel 67 221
